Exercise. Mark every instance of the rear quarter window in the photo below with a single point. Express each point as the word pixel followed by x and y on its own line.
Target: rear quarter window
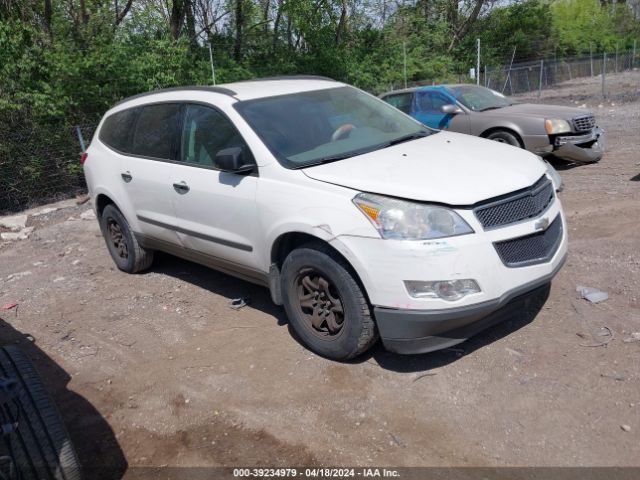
pixel 156 131
pixel 116 130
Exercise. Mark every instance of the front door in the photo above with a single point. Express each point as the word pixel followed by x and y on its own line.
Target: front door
pixel 428 110
pixel 215 210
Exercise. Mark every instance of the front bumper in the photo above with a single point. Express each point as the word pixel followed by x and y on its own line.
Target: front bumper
pixel 421 331
pixel 406 323
pixel 587 148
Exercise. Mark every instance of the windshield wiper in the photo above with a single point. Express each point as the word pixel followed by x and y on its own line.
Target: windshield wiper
pixel 335 158
pixel 492 108
pixel 353 153
pixel 406 138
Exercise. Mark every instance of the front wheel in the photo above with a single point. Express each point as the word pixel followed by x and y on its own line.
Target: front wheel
pixel 325 304
pixel 503 136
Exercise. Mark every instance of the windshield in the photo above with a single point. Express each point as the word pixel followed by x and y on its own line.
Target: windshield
pixel 319 126
pixel 479 99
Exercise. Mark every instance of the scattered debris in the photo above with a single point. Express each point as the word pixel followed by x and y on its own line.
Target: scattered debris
pixel 626 428
pixel 396 440
pixel 9 306
pixel 88 215
pixel 238 303
pixel 514 352
pixel 618 377
pixel 429 374
pixel 58 279
pixel 14 276
pixel 9 236
pixel 606 333
pixel 82 199
pixel 45 211
pixel 20 235
pixel 14 222
pixel 592 294
pixel 635 337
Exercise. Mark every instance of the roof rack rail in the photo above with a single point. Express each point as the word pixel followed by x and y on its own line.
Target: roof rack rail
pixel 224 91
pixel 287 77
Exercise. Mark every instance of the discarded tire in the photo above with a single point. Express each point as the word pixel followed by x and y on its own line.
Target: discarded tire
pixel 36 444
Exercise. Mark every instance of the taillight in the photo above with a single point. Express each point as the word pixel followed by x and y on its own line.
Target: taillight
pixel 83 157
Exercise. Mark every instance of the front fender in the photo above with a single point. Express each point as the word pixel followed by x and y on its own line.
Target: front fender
pixel 322 231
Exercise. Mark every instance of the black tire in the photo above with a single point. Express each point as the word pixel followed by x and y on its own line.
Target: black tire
pixel 504 136
pixel 41 447
pixel 349 333
pixel 128 255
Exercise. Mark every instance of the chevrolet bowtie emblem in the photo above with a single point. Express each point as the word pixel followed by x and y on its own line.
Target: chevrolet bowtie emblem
pixel 541 224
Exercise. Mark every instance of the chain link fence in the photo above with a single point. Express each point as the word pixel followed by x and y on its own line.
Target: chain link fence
pixel 40 164
pixel 537 75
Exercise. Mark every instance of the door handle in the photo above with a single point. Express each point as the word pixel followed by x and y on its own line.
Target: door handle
pixel 126 176
pixel 181 187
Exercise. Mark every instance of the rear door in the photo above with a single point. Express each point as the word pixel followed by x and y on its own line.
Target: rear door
pixel 146 172
pixel 402 101
pixel 216 211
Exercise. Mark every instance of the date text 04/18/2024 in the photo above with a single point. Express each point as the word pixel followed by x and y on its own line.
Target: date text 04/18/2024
pixel 316 473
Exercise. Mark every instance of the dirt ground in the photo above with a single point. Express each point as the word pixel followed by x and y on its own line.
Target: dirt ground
pixel 155 369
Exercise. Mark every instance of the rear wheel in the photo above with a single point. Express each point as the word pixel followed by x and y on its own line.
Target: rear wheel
pixel 39 447
pixel 326 307
pixel 504 136
pixel 128 255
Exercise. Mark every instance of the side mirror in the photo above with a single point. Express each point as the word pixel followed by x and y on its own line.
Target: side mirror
pixel 451 109
pixel 232 160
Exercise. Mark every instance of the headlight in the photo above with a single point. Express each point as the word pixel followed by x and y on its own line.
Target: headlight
pixel 446 289
pixel 555 125
pixel 404 220
pixel 553 174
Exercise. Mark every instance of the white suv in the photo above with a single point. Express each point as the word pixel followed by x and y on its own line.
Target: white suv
pixel 361 221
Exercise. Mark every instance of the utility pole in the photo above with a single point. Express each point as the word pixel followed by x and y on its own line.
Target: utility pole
pixel 616 57
pixel 213 71
pixel 633 55
pixel 604 69
pixel 591 57
pixel 478 64
pixel 540 84
pixel 404 54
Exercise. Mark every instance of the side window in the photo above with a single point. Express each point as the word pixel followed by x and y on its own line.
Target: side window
pixel 401 101
pixel 437 101
pixel 207 131
pixel 431 102
pixel 116 130
pixel 156 130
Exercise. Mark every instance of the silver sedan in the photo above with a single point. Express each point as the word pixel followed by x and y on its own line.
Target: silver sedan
pixel 565 132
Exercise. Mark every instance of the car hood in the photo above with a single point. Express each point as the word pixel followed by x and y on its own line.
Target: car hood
pixel 539 111
pixel 446 167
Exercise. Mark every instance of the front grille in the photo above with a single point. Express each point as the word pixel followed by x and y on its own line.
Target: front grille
pixel 532 249
pixel 584 123
pixel 516 206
